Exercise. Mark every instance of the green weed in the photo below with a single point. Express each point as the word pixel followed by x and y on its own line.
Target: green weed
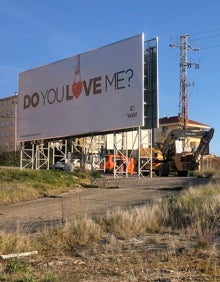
pixel 24 185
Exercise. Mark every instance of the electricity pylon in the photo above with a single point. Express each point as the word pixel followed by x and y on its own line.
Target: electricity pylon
pixel 184 84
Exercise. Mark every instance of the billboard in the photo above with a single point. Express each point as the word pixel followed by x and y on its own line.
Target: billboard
pixel 97 91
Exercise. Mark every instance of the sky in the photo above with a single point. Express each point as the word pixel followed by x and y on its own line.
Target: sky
pixel 35 33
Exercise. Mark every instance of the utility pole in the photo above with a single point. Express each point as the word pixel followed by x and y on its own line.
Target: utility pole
pixel 184 84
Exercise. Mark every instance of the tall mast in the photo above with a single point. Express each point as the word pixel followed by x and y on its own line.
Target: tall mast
pixel 184 84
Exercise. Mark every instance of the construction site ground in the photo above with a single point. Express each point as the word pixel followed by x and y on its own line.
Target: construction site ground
pixel 159 257
pixel 108 193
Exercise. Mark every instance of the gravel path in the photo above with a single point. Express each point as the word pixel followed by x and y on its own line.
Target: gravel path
pixel 34 215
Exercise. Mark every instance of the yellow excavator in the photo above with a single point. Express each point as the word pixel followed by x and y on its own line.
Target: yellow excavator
pixel 174 155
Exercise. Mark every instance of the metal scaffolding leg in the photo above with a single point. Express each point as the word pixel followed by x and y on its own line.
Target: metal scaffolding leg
pixel 145 152
pixel 93 158
pixel 89 150
pixel 27 156
pixel 121 159
pixel 59 149
pixel 42 156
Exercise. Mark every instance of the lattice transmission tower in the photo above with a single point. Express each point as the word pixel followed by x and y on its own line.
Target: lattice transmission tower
pixel 184 83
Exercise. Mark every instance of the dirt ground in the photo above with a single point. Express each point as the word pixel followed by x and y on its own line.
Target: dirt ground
pixel 120 192
pixel 159 257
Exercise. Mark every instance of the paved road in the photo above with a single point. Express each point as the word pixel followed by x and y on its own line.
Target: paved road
pixel 34 215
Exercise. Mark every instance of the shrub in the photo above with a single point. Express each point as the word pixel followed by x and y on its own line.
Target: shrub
pixel 81 232
pixel 9 243
pixel 196 210
pixel 129 222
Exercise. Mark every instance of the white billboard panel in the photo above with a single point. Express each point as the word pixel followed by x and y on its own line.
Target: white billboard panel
pixel 97 91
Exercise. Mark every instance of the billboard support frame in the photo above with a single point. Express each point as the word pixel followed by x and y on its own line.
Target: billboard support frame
pixel 144 160
pixel 89 149
pixel 119 165
pixel 42 156
pixel 27 156
pixel 59 151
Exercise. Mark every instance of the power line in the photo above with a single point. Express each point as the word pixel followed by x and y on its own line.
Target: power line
pixel 207 31
pixel 214 46
pixel 207 37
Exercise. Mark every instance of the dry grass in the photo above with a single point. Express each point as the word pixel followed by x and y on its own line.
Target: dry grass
pixel 175 240
pixel 9 243
pixel 131 222
pixel 196 210
pixel 11 194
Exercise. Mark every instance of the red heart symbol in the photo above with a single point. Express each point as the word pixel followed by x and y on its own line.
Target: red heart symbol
pixel 77 88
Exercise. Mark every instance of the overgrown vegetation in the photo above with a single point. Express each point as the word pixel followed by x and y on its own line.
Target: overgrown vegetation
pixel 179 236
pixel 10 159
pixel 23 185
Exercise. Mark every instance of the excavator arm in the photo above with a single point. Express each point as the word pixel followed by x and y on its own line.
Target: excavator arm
pixel 205 140
pixel 184 161
pixel 205 135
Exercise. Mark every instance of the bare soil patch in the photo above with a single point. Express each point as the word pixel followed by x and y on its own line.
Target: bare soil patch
pixel 28 217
